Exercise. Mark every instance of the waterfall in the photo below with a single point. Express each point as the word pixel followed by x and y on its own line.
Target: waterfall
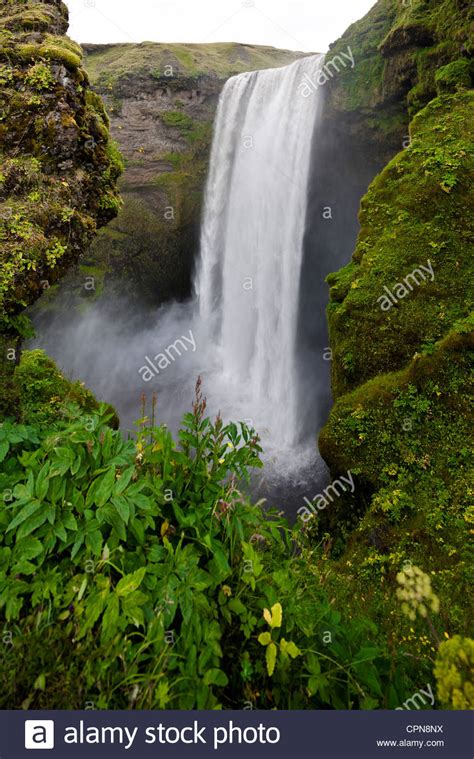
pixel 248 278
pixel 240 331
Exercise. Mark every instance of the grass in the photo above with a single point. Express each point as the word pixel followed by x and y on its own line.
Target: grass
pixel 109 64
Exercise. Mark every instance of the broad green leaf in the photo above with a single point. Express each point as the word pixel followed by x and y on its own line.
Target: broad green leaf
pixel 219 566
pixel 216 677
pixel 290 648
pixel 237 606
pixel 24 568
pixel 265 639
pixel 42 483
pixel 28 548
pixel 270 656
pixel 313 664
pixel 77 544
pixel 4 448
pixel 110 515
pixel 94 606
pixel 105 487
pixel 69 520
pixel 133 607
pixel 122 506
pixel 124 480
pixel 130 582
pixel 27 511
pixel 94 542
pixel 110 619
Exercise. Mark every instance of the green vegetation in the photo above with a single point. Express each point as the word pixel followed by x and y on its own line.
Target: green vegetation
pixel 453 672
pixel 44 391
pixel 136 574
pixel 398 49
pixel 110 66
pixel 405 436
pixel 51 128
pixel 177 119
pixel 401 422
pixel 411 214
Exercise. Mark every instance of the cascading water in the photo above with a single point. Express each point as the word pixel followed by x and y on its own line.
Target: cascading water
pixel 240 330
pixel 248 279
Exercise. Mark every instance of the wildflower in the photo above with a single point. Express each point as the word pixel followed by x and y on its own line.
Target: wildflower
pixel 416 593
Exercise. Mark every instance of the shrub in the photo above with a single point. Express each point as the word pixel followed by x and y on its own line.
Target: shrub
pixel 142 577
pixel 44 392
pixel 177 119
pixel 453 671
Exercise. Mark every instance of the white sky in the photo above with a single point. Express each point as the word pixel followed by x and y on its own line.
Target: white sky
pixel 308 25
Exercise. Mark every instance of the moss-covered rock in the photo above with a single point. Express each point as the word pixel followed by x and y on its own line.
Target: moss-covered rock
pixel 398 48
pixel 44 393
pixel 401 327
pixel 417 213
pixel 57 167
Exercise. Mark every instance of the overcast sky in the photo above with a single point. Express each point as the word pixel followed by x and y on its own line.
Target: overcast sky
pixel 308 25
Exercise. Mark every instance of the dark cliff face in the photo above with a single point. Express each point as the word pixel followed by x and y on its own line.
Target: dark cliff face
pixel 58 167
pixel 162 100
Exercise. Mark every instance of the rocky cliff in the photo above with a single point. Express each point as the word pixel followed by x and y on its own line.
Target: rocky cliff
pixel 399 316
pixel 58 167
pixel 161 100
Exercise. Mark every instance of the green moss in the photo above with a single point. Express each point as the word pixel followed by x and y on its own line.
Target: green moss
pixel 400 422
pixel 404 437
pixel 44 392
pixel 362 86
pixel 35 18
pixel 455 76
pixel 398 48
pixel 39 77
pixel 60 53
pixel 410 217
pixel 110 65
pixel 181 121
pixel 57 169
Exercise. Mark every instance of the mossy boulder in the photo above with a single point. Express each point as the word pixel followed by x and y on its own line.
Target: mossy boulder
pixel 58 168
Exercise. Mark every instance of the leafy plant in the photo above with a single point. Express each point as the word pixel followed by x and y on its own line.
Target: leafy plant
pixel 284 648
pixel 141 576
pixel 39 77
